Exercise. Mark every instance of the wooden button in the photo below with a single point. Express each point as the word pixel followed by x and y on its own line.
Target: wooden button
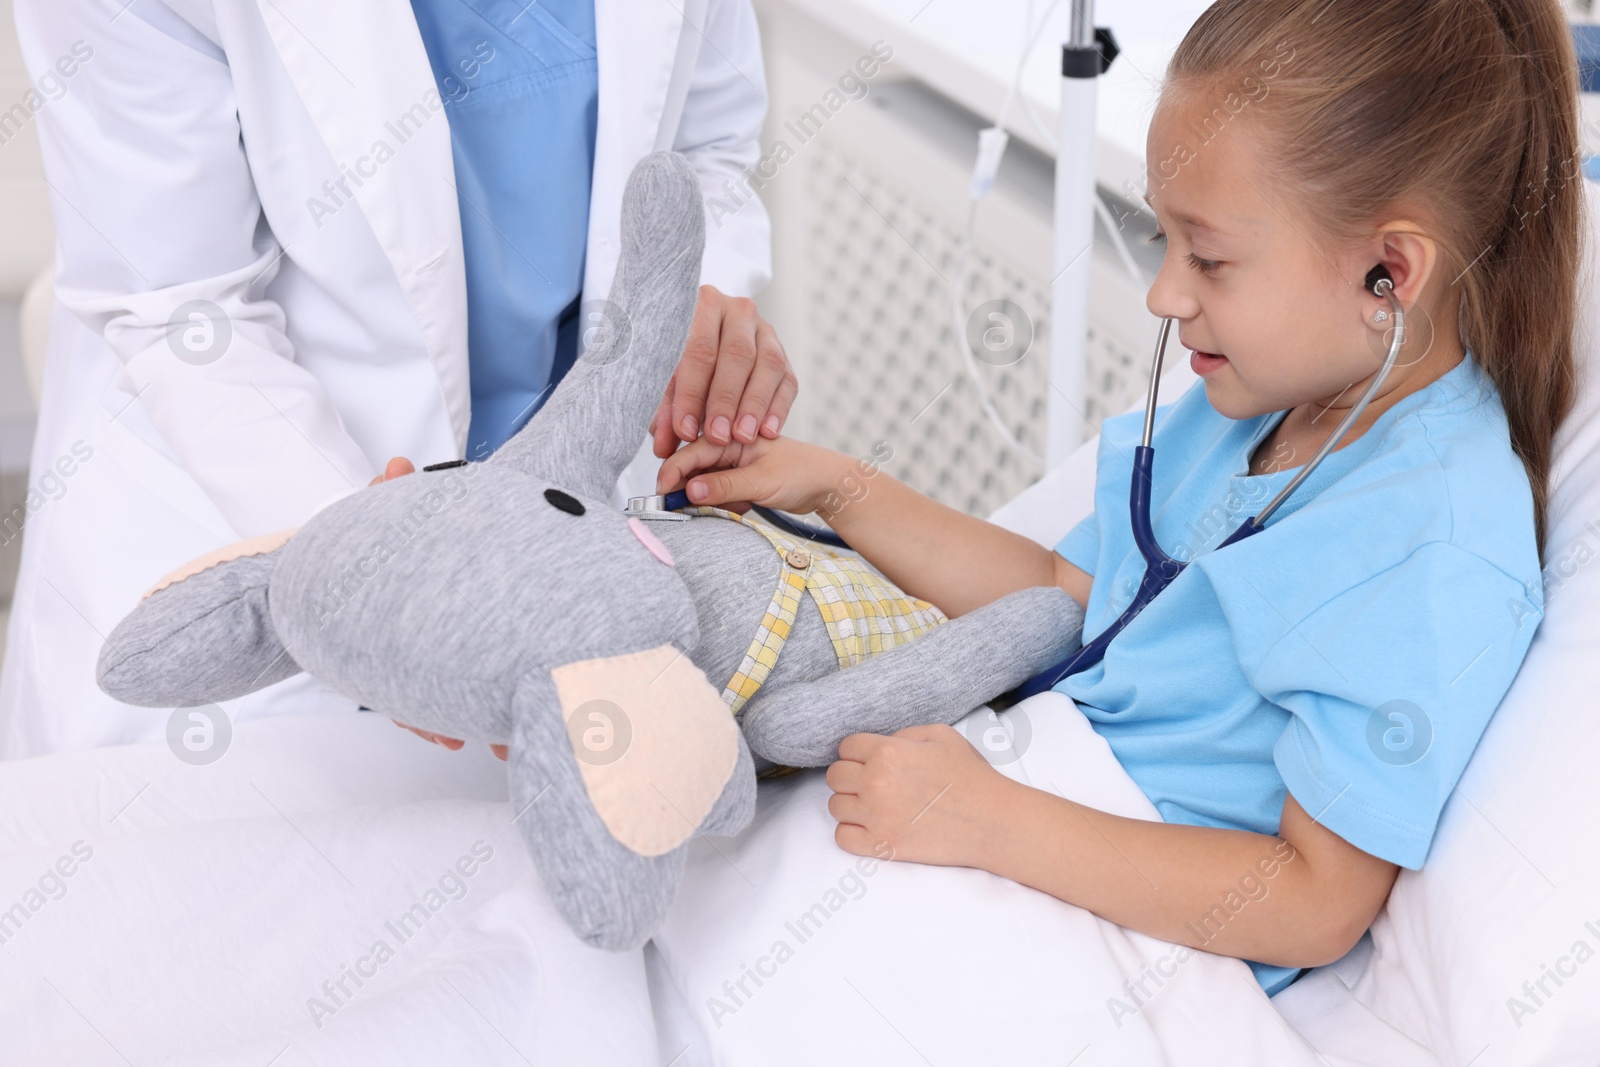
pixel 798 558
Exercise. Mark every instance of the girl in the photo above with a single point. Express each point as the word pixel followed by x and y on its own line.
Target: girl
pixel 1299 705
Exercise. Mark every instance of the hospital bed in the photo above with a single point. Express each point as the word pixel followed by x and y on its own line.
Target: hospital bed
pixel 333 891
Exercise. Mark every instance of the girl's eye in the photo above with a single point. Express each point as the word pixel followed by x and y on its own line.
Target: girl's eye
pixel 1204 266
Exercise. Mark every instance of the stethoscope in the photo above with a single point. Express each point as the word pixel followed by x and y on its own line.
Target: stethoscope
pixel 669 506
pixel 1159 568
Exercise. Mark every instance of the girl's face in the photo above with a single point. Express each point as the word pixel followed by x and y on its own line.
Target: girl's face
pixel 1243 281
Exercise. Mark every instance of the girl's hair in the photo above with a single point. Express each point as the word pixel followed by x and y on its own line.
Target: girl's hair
pixel 1464 109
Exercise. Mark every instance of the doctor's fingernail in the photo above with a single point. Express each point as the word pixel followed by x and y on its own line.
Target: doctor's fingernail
pixel 719 428
pixel 747 426
pixel 697 491
pixel 771 425
pixel 691 428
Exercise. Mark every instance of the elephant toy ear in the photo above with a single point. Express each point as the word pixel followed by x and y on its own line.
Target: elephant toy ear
pixel 201 634
pixel 615 763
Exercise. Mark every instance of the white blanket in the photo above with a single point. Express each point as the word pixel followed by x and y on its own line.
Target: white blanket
pixel 791 951
pixel 332 891
pixel 335 891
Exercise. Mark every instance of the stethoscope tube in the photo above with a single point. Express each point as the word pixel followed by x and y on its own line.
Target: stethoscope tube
pixel 1161 569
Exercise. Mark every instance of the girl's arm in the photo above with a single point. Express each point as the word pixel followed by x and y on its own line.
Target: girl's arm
pixel 931 551
pixel 1299 899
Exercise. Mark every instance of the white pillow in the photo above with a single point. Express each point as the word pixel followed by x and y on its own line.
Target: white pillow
pixel 1510 893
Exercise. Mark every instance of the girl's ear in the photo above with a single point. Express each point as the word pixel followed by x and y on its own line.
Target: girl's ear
pixel 202 634
pixel 594 422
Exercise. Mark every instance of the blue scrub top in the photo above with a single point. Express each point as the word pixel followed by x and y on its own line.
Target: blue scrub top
pixel 1350 654
pixel 520 88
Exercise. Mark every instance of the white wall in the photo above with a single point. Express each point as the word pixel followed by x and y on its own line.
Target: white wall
pixel 869 205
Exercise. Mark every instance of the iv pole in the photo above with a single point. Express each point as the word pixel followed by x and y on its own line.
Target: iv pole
pixel 1087 54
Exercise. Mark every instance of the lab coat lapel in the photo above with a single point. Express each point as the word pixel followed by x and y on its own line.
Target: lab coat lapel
pixel 363 74
pixel 638 45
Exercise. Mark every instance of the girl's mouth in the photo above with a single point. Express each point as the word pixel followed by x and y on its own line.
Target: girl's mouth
pixel 1204 363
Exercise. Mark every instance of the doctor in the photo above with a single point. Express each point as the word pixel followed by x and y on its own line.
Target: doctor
pixel 273 219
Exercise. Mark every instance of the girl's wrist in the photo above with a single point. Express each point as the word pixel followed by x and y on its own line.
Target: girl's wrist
pixel 830 470
pixel 845 488
pixel 996 805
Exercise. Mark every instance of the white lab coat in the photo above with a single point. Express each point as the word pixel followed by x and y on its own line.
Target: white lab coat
pixel 183 159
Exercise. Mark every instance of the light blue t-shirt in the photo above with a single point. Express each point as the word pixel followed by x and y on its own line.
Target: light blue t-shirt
pixel 520 85
pixel 1352 652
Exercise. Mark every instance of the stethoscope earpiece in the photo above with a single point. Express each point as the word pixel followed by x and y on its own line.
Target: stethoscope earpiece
pixel 1374 276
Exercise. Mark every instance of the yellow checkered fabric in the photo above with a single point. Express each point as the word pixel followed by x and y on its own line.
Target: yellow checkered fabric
pixel 865 613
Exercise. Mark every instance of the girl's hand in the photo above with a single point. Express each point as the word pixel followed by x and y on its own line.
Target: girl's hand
pixel 925 791
pixel 786 474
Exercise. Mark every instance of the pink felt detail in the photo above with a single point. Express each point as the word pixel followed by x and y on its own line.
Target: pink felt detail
pixel 651 541
pixel 250 546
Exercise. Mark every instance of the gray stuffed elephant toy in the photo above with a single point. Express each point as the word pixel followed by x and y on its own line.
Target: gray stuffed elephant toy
pixel 506 600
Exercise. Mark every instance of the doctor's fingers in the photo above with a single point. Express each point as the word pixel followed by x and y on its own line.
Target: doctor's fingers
pixel 751 365
pixel 395 468
pixel 733 367
pixel 769 392
pixel 663 432
pixel 764 408
pixel 452 743
pixel 692 379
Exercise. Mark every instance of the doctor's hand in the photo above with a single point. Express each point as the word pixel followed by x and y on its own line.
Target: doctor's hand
pixel 452 743
pixel 786 474
pixel 396 467
pixel 734 381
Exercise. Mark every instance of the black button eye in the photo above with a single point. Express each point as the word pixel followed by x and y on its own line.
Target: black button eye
pixel 446 465
pixel 562 502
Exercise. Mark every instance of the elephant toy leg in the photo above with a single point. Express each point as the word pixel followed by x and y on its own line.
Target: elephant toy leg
pixel 937 678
